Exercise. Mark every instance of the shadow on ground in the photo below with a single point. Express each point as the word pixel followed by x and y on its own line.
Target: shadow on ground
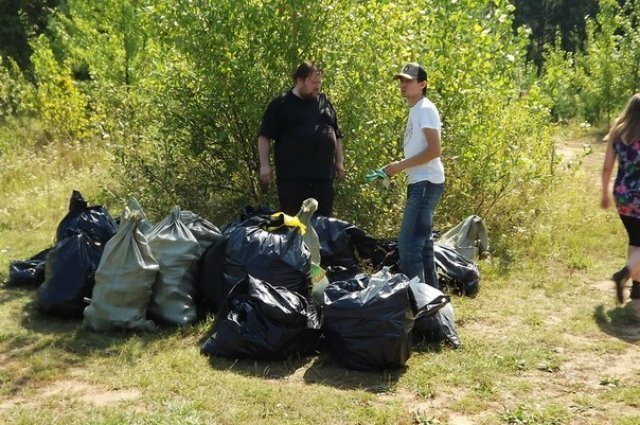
pixel 8 295
pixel 619 322
pixel 326 371
pixel 319 369
pixel 48 343
pixel 267 369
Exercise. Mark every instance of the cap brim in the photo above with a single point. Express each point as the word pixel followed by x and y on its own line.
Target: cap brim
pixel 403 75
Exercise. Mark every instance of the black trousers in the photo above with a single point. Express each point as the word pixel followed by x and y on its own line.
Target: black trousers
pixel 293 192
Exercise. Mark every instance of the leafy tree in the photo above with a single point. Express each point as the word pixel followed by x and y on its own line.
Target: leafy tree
pixel 177 90
pixel 629 46
pixel 14 90
pixel 601 55
pixel 550 18
pixel 595 83
pixel 19 21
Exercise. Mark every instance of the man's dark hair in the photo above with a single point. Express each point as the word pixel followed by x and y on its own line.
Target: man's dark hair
pixel 423 78
pixel 306 69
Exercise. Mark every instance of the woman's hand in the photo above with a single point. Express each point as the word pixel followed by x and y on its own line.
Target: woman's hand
pixel 605 200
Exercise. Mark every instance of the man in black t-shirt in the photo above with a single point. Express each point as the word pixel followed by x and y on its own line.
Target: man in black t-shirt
pixel 307 143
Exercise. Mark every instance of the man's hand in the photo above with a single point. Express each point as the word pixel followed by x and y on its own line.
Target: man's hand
pixel 393 168
pixel 265 175
pixel 339 170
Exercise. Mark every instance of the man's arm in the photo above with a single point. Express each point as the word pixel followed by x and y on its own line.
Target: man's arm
pixel 339 152
pixel 264 148
pixel 432 151
pixel 339 159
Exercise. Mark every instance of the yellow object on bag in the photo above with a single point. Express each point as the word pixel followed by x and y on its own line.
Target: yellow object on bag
pixel 319 281
pixel 287 220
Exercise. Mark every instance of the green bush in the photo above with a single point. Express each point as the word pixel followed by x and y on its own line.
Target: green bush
pixel 58 101
pixel 177 89
pixel 15 90
pixel 595 83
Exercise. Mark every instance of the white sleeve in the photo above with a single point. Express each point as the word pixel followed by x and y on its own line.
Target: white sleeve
pixel 429 117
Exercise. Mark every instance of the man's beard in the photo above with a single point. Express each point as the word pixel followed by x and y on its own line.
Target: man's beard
pixel 309 96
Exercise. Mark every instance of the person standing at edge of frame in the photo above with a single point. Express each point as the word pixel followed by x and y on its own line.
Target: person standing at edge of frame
pixel 425 176
pixel 307 143
pixel 623 144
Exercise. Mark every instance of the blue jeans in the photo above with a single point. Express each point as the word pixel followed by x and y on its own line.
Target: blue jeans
pixel 415 241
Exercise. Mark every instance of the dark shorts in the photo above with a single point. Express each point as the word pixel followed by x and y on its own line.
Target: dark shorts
pixel 293 192
pixel 632 225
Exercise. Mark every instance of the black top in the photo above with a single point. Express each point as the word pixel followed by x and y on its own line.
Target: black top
pixel 305 132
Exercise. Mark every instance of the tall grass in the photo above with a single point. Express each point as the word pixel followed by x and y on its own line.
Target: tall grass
pixel 37 176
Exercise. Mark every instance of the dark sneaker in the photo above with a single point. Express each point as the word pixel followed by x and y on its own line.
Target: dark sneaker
pixel 635 291
pixel 620 278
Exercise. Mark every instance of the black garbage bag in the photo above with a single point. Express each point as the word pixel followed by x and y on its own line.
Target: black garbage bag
pixel 455 272
pixel 343 245
pixel 249 216
pixel 260 321
pixel 428 300
pixel 211 287
pixel 28 273
pixel 368 322
pixel 69 276
pixel 95 221
pixel 339 273
pixel 434 315
pixel 438 327
pixel 366 246
pixel 278 256
pixel 391 256
pixel 336 246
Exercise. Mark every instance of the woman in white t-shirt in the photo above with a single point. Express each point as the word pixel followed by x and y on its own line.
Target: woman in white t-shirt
pixel 425 176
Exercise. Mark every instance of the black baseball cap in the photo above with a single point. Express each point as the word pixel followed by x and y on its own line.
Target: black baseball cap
pixel 412 71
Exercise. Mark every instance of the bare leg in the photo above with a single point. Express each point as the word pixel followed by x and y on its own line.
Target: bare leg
pixel 633 262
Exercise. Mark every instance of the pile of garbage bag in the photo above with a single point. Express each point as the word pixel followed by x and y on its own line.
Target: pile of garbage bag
pixel 257 275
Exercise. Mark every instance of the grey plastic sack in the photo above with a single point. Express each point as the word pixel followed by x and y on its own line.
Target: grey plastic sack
pixel 177 252
pixel 468 238
pixel 204 231
pixel 144 224
pixel 123 281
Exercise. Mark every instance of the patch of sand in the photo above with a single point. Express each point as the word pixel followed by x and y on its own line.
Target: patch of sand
pixel 78 390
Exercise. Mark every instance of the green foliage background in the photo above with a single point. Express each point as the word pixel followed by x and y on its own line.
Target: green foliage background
pixel 176 91
pixel 594 83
